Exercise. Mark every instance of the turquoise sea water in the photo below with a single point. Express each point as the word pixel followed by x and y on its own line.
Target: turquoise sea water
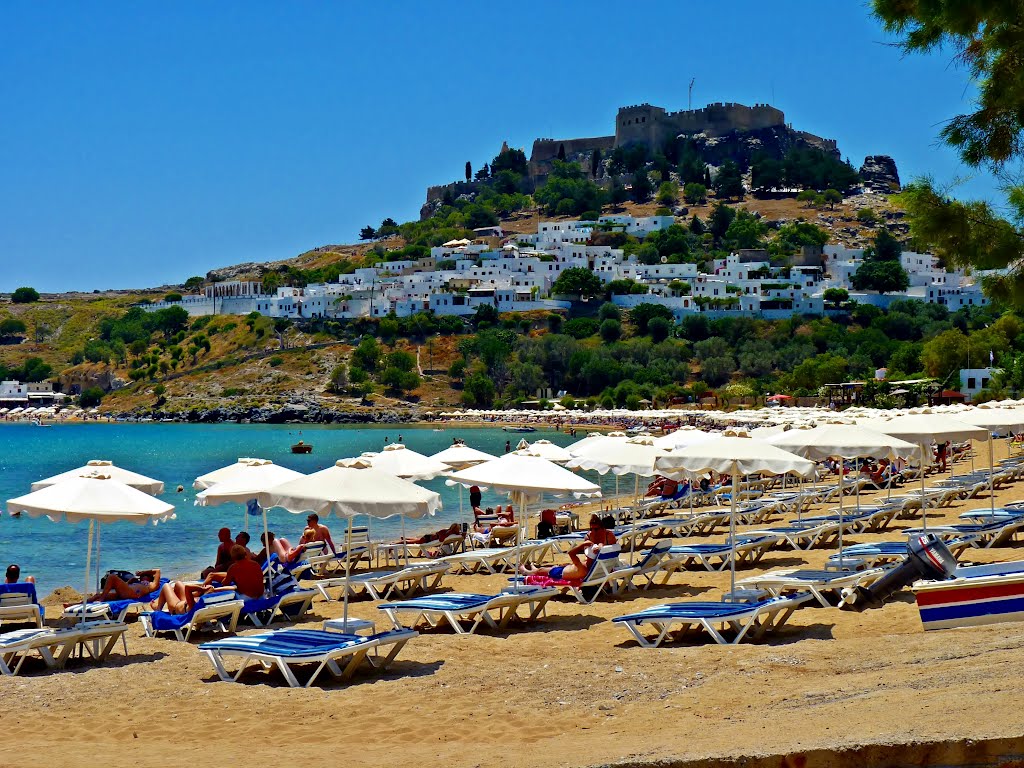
pixel 177 454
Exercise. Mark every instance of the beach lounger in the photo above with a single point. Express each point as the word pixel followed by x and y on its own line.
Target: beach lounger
pixel 288 648
pixel 748 549
pixel 402 552
pixel 383 584
pixel 56 646
pixel 742 619
pixel 289 604
pixel 652 563
pixel 494 611
pixel 216 610
pixel 818 583
pixel 116 610
pixel 607 575
pixel 802 536
pixel 19 604
pixel 994 533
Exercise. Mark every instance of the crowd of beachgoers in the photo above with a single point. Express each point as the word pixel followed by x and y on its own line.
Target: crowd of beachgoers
pixel 769 555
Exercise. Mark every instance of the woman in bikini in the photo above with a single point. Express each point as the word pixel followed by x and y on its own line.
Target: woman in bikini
pixel 116 588
pixel 599 536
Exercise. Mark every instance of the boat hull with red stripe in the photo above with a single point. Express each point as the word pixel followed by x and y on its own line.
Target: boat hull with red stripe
pixel 980 594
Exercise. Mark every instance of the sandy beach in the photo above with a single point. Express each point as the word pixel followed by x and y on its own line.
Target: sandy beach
pixel 573 689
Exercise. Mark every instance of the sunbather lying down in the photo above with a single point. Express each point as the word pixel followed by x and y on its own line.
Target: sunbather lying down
pixel 599 536
pixel 452 530
pixel 116 588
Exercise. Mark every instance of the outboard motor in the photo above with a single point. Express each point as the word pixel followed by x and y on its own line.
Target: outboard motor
pixel 927 558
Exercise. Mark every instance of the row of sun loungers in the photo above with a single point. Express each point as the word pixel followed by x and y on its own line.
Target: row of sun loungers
pixel 56 646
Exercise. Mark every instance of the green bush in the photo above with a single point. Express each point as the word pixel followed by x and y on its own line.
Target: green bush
pixel 275 361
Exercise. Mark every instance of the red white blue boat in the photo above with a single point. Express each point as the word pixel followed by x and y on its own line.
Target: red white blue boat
pixel 978 594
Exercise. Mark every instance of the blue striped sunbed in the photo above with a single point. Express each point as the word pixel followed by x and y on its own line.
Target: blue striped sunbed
pixel 210 610
pixel 743 619
pixel 287 648
pixel 496 611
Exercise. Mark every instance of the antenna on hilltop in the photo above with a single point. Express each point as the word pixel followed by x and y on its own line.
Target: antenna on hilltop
pixel 689 100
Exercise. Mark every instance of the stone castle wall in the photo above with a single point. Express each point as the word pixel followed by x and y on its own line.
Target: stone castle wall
pixel 545 152
pixel 647 124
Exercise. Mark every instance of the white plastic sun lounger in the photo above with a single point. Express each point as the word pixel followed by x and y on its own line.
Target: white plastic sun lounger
pixel 715 557
pixel 494 611
pixel 287 648
pixel 491 560
pixel 383 584
pixel 55 646
pixel 18 604
pixel 217 610
pixel 743 619
pixel 817 583
pixel 802 536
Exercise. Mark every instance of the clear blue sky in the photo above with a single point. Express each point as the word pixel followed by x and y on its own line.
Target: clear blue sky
pixel 141 143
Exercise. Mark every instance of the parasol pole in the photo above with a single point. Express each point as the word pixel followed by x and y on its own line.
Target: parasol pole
pixel 924 500
pixel 88 556
pixel 266 542
pixel 732 528
pixel 348 573
pixel 991 474
pixel 842 469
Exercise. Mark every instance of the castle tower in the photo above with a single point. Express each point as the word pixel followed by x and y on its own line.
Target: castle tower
pixel 639 124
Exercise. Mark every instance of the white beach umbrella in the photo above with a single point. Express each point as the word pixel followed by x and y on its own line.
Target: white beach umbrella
pixel 1000 421
pixel 406 463
pixel 263 471
pixel 241 483
pixel 545 449
pixel 97 498
pixel 922 428
pixel 106 468
pixel 521 472
pixel 526 477
pixel 347 491
pixel 635 456
pixel 844 441
pixel 683 437
pixel 734 455
pixel 350 490
pixel 461 455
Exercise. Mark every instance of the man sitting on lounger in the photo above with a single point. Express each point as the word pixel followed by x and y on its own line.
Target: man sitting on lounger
pixel 315 532
pixel 599 536
pixel 116 588
pixel 13 575
pixel 244 575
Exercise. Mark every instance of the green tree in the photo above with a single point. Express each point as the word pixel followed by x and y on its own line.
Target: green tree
pixel 642 314
pixel 479 390
pixel 338 381
pixel 720 219
pixel 640 191
pixel 729 181
pixel 609 311
pixel 668 193
pixel 91 397
pixel 11 326
pixel 867 217
pixel 367 233
pixel 985 35
pixel 595 162
pixel 25 295
pixel 695 194
pixel 174 296
pixel 807 197
pixel 611 330
pixel 194 283
pixel 577 281
pixel 659 329
pixel 836 296
pixel 945 354
pixel 367 355
pixel 833 196
pixel 469 171
pixel 717 370
pixel 745 231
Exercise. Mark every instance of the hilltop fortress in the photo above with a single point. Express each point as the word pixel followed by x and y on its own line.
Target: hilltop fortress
pixel 654 127
pixel 724 130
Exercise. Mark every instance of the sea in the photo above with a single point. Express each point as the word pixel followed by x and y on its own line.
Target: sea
pixel 178 453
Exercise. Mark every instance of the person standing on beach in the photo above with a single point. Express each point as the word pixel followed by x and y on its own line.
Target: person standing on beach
pixel 508 446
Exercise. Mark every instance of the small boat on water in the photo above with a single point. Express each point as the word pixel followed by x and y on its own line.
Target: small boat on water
pixel 519 429
pixel 38 423
pixel 302 447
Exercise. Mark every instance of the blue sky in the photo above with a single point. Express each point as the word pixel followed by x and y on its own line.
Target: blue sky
pixel 142 143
